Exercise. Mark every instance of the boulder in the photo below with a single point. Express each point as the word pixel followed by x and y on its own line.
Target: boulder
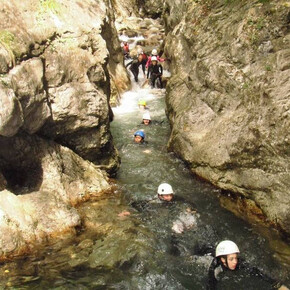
pixel 28 220
pixel 11 116
pixel 59 64
pixel 64 46
pixel 41 183
pixel 27 82
pixel 228 98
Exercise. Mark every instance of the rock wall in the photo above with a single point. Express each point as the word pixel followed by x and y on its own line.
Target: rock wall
pixel 60 62
pixel 137 8
pixel 140 18
pixel 229 97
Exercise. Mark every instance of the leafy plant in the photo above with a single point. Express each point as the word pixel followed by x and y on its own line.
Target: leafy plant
pixel 260 23
pixel 51 5
pixel 7 40
pixel 6 37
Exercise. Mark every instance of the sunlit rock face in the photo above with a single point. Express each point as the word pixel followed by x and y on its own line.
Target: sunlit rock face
pixel 55 58
pixel 229 97
pixel 41 182
pixel 60 62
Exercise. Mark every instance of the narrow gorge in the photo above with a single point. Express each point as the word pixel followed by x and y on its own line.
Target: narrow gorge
pixel 67 113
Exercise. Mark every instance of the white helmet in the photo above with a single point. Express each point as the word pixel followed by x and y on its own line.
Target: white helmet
pixel 139 50
pixel 154 52
pixel 154 58
pixel 226 248
pixel 165 188
pixel 146 116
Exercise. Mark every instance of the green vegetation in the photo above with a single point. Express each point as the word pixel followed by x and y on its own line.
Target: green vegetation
pixel 254 38
pixel 50 5
pixel 4 81
pixel 233 1
pixel 6 38
pixel 258 24
pixel 45 10
pixel 245 86
pixel 229 1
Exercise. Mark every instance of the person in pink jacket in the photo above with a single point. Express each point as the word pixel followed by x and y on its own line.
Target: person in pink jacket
pixel 154 53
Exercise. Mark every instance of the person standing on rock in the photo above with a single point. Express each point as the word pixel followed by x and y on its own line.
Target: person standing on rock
pixel 227 262
pixel 126 49
pixel 134 66
pixel 144 58
pixel 155 72
pixel 154 53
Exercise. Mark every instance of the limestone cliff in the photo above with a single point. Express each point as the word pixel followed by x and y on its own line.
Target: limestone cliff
pixel 60 61
pixel 229 97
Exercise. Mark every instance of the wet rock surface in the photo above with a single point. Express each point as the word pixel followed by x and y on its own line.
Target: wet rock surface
pixel 228 98
pixel 58 73
pixel 44 182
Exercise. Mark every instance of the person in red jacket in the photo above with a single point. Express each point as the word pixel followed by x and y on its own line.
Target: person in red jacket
pixel 144 60
pixel 126 49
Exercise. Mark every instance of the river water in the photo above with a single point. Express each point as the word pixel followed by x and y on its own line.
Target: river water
pixel 137 251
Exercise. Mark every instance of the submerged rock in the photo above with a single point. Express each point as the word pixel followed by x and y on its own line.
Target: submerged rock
pixel 228 98
pixel 24 227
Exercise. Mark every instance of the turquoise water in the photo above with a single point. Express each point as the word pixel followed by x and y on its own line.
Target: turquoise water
pixel 140 251
pixel 142 172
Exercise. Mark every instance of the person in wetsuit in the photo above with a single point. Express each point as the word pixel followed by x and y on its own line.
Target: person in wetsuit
pixel 146 119
pixel 144 60
pixel 155 72
pixel 142 105
pixel 126 49
pixel 134 66
pixel 139 137
pixel 176 222
pixel 154 53
pixel 227 262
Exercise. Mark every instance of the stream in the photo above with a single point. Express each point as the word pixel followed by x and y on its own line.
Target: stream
pixel 112 251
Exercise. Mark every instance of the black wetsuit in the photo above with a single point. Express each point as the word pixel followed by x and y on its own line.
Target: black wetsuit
pixel 217 272
pixel 155 72
pixel 194 237
pixel 134 67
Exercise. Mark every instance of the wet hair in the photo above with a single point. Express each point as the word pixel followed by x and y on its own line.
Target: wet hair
pixel 219 259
